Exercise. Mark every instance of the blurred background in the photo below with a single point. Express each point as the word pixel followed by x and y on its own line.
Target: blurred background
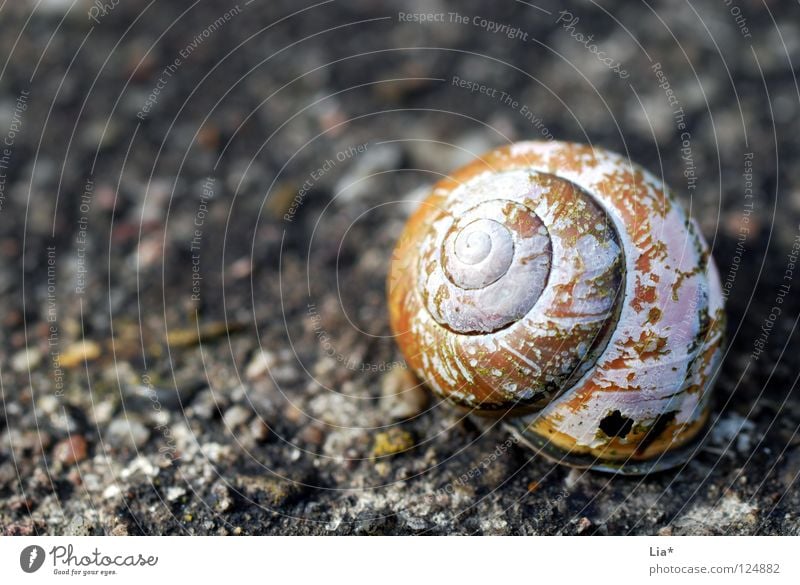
pixel 198 201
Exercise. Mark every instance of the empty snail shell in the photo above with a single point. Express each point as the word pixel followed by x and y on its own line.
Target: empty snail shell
pixel 562 287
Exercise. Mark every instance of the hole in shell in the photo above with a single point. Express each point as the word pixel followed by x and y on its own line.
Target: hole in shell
pixel 616 425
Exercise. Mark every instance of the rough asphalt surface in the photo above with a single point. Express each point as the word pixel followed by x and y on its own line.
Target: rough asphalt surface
pixel 198 203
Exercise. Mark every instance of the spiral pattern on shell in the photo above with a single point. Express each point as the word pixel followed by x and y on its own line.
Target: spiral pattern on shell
pixel 562 282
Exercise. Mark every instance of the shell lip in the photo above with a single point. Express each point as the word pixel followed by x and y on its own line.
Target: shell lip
pixel 670 459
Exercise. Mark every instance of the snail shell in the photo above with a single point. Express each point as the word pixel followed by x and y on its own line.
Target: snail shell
pixel 562 285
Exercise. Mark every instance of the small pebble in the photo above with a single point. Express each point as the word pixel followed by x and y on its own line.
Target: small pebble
pixel 415 523
pixel 205 405
pixel 141 466
pixel 223 495
pixel 313 435
pixel 78 353
pixel 261 363
pixel 734 432
pixel 70 451
pixel 236 416
pixel 584 525
pixel 79 526
pixel 26 360
pixel 207 332
pixel 259 429
pixel 102 412
pixel 392 442
pixel 175 493
pixel 126 432
pixel 49 404
pixel 111 491
pixel 402 396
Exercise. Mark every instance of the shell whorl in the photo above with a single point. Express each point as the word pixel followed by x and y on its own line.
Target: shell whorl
pixel 519 278
pixel 491 268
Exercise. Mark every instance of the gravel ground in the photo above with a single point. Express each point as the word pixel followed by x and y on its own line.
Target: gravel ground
pixel 197 207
